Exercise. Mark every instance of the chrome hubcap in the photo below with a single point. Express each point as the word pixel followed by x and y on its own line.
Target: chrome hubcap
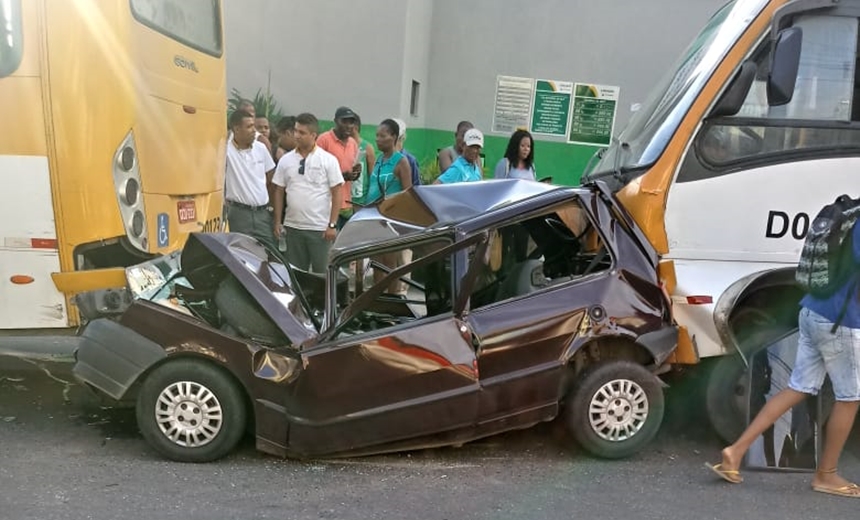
pixel 618 410
pixel 188 414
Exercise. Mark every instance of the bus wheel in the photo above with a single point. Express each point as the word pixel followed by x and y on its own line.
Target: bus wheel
pixel 615 409
pixel 191 411
pixel 727 394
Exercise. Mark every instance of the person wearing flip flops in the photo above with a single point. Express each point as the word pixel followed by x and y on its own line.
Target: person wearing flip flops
pixel 829 344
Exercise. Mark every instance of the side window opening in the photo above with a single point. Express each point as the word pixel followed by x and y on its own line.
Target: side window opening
pixel 821 112
pixel 11 37
pixel 550 249
pixel 423 291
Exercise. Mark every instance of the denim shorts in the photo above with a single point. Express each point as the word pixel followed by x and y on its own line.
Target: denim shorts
pixel 821 352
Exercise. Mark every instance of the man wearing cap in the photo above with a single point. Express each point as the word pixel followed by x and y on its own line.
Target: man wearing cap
pixel 339 142
pixel 468 167
pixel 399 146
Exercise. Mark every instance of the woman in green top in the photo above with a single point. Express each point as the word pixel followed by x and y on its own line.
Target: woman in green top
pixel 391 173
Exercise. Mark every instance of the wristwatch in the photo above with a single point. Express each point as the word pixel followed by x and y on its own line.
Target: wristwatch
pixel 332 226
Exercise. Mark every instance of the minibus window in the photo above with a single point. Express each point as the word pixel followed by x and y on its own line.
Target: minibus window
pixel 812 123
pixel 825 80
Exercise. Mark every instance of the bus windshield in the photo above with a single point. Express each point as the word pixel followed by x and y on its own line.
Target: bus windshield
pixel 649 130
pixel 195 23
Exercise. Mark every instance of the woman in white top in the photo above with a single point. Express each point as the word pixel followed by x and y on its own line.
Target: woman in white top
pixel 518 162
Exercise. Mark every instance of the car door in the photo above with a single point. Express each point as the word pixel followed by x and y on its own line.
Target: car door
pixel 524 330
pixel 379 376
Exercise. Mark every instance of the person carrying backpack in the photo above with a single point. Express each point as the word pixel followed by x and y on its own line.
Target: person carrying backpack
pixel 413 162
pixel 829 344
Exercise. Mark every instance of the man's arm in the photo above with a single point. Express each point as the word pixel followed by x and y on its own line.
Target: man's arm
pixel 448 176
pixel 279 209
pixel 336 202
pixel 279 181
pixel 268 163
pixel 336 187
pixel 445 159
pixel 355 169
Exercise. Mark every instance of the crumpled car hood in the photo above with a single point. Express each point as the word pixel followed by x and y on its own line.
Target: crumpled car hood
pixel 270 282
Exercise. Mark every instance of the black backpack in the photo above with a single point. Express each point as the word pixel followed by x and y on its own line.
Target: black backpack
pixel 827 259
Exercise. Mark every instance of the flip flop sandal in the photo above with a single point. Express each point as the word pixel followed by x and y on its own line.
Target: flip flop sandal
pixel 849 491
pixel 729 475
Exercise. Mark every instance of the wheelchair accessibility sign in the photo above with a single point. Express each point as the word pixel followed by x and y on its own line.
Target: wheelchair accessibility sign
pixel 163 229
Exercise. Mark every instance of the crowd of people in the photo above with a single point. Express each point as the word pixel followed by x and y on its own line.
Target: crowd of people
pixel 293 188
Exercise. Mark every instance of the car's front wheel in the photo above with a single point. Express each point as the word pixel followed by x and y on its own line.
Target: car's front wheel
pixel 191 411
pixel 615 408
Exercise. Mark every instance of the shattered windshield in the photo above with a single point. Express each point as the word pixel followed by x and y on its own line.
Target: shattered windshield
pixel 646 136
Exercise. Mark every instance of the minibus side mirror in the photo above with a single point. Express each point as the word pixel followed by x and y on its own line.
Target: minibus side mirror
pixel 734 96
pixel 784 65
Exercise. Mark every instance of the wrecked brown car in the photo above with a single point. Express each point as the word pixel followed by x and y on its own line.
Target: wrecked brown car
pixel 448 313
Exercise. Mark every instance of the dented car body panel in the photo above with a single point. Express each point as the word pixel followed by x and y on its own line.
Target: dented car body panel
pixel 494 360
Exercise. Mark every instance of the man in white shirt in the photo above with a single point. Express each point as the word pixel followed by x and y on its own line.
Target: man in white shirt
pixel 249 166
pixel 311 179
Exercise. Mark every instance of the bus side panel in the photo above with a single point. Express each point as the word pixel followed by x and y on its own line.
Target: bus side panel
pixel 759 214
pixel 28 246
pixel 727 227
pixel 708 278
pixel 28 237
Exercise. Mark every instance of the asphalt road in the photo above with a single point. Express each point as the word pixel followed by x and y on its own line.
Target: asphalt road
pixel 64 456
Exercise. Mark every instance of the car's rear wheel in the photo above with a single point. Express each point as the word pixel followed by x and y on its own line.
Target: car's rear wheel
pixel 615 409
pixel 191 411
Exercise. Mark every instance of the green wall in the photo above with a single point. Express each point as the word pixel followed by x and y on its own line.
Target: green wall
pixel 561 161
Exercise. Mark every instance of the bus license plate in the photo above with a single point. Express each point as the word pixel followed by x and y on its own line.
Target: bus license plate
pixel 187 211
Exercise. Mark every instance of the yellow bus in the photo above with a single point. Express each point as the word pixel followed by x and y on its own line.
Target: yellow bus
pixel 726 164
pixel 111 147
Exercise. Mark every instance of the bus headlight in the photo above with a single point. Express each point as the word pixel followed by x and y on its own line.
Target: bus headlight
pixel 137 223
pixel 130 192
pixel 126 158
pixel 127 182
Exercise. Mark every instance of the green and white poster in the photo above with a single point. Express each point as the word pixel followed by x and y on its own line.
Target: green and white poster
pixel 551 107
pixel 593 114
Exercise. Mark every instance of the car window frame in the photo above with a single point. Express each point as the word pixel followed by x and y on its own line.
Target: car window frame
pixel 546 211
pixel 364 299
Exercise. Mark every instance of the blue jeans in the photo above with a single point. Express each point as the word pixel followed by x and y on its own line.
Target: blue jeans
pixel 821 352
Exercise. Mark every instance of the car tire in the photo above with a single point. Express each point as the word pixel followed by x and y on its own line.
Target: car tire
pixel 191 411
pixel 240 311
pixel 615 409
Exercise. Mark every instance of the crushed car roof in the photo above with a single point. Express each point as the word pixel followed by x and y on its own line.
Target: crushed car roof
pixel 435 206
